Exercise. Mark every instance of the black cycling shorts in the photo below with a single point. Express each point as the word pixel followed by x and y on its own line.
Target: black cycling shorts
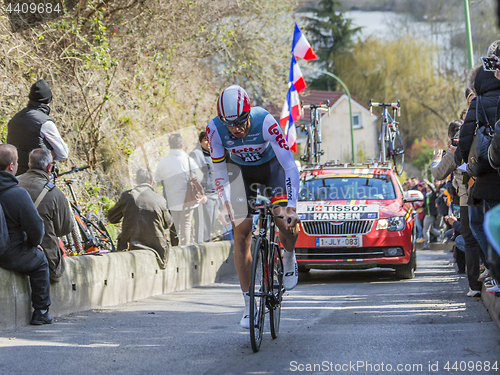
pixel 247 181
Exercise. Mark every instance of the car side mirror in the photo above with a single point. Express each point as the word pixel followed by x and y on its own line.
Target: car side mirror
pixel 412 196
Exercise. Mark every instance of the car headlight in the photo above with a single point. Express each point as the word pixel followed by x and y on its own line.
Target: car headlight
pixel 392 224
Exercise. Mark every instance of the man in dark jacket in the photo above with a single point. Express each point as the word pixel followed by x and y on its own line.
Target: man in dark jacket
pixel 25 234
pixel 33 128
pixel 145 218
pixel 52 206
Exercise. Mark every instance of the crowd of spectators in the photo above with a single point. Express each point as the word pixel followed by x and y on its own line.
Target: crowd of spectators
pixel 456 207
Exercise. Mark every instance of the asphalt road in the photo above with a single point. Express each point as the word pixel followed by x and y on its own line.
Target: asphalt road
pixel 342 322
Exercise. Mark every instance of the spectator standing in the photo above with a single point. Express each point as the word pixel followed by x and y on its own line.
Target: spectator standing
pixel 33 128
pixel 484 190
pixel 25 233
pixel 430 211
pixel 442 167
pixel 52 206
pixel 173 172
pixel 206 213
pixel 145 218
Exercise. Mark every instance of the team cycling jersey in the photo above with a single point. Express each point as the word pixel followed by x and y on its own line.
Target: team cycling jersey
pixel 263 142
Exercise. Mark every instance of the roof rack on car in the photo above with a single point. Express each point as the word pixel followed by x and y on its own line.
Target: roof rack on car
pixel 371 163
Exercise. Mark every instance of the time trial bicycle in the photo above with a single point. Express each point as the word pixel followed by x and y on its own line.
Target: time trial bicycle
pixel 266 283
pixel 89 235
pixel 312 151
pixel 390 141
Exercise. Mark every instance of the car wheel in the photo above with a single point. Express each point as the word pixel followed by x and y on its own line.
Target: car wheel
pixel 303 269
pixel 407 271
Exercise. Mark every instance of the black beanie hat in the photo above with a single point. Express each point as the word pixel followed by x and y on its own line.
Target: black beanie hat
pixel 40 92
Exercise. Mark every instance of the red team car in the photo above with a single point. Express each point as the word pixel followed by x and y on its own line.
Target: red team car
pixel 355 217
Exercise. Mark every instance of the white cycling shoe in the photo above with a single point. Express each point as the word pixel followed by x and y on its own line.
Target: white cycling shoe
pixel 245 320
pixel 290 270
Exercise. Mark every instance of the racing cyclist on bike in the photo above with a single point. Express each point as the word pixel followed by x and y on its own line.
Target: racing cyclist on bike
pixel 257 145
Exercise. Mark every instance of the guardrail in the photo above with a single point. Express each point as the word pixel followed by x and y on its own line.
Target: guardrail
pixel 111 279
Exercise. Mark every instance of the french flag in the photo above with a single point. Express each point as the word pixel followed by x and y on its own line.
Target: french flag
pixel 296 76
pixel 301 48
pixel 292 112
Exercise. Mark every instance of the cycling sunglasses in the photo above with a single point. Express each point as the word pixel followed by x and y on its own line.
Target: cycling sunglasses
pixel 240 121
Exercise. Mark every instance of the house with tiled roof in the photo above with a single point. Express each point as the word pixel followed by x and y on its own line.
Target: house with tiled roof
pixel 336 127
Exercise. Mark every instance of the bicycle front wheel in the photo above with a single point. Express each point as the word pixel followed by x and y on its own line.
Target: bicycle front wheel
pixel 99 232
pixel 276 292
pixel 258 291
pixel 398 154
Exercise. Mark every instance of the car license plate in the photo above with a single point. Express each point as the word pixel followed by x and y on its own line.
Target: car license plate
pixel 352 241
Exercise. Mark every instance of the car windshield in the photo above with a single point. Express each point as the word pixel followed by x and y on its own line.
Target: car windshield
pixel 369 187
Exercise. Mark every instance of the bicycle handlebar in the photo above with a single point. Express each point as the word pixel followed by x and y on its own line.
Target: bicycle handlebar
pixel 396 106
pixel 73 170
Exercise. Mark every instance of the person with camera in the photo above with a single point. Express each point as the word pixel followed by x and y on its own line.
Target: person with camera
pixel 442 167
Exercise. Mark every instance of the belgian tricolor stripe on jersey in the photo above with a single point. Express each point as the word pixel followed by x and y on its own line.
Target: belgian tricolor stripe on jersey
pixel 279 199
pixel 219 160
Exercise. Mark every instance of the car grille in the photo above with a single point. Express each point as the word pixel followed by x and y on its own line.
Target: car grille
pixel 346 227
pixel 320 253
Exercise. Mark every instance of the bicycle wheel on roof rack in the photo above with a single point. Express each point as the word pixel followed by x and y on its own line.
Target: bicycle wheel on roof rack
pixel 398 153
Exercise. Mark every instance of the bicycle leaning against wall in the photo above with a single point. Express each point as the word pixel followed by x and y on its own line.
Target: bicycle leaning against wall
pixel 390 141
pixel 89 235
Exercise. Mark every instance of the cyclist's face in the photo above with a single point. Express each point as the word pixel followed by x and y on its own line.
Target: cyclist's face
pixel 240 131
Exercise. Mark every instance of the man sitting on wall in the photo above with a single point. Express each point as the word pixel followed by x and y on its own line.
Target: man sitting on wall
pixel 26 230
pixel 145 218
pixel 52 206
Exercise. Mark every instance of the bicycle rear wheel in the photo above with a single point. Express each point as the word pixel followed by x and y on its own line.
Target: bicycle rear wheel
pixel 276 292
pixel 258 291
pixel 398 153
pixel 75 238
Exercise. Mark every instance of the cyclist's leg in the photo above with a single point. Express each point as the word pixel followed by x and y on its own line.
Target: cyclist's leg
pixel 276 191
pixel 242 255
pixel 241 193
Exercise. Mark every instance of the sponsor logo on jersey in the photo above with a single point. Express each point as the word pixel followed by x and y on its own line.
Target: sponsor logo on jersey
pixel 230 143
pixel 246 149
pixel 288 183
pixel 275 130
pixel 219 187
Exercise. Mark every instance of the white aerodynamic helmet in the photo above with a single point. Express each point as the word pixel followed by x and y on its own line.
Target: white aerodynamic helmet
pixel 233 106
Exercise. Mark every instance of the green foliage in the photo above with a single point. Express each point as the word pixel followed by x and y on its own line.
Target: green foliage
pixel 403 69
pixel 421 152
pixel 331 35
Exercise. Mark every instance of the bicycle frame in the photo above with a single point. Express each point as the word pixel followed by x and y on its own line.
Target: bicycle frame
pixel 267 233
pixel 391 143
pixel 90 242
pixel 312 152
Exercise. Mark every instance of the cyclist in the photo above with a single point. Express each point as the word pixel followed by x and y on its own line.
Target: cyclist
pixel 257 145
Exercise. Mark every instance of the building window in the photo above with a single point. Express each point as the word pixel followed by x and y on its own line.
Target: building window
pixel 356 121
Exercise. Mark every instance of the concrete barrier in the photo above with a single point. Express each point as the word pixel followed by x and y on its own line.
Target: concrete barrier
pixel 111 279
